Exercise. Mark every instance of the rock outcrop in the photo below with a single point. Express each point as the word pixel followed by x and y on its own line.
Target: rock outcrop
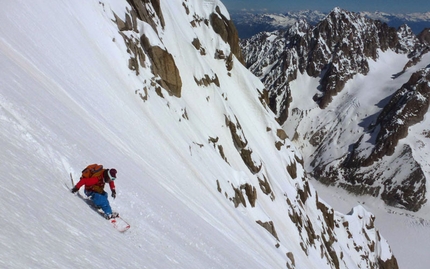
pixel 162 64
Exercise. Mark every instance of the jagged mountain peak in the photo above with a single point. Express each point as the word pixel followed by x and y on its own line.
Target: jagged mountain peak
pixel 340 20
pixel 340 13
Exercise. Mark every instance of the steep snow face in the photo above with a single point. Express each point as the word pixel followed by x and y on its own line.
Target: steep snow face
pixel 206 176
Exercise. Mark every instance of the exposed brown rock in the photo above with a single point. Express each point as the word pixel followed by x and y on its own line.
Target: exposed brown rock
pixel 388 264
pixel 206 80
pixel 157 8
pixel 187 10
pixel 290 256
pixel 327 213
pixel 226 29
pixel 270 227
pixel 250 192
pixel 246 155
pixel 196 43
pixel 304 193
pixel 163 65
pixel 265 186
pixel 143 14
pixel 218 187
pixel 229 62
pixel 264 97
pixel 137 57
pixel 278 145
pixel 235 131
pixel 281 134
pixel 238 197
pixel 292 170
pixel 221 152
pixel 123 26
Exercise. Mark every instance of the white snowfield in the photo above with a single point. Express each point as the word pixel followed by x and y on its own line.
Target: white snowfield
pixel 68 99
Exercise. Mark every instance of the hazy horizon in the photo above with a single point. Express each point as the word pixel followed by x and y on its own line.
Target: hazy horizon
pixel 282 6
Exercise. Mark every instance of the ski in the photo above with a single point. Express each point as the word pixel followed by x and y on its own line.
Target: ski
pixel 71 178
pixel 120 224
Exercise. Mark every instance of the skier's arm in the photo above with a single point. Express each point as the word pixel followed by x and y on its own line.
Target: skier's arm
pixel 112 188
pixel 84 181
pixel 112 185
pixel 81 183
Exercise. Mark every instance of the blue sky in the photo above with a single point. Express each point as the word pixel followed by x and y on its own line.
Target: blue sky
pixel 281 6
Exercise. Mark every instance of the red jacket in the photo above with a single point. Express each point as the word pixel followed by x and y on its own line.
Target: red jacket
pixel 96 184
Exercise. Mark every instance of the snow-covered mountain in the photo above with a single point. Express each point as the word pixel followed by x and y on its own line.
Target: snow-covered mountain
pixel 249 24
pixel 353 94
pixel 206 177
pixel 416 21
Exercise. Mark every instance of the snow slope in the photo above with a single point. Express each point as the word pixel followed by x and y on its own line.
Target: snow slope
pixel 68 99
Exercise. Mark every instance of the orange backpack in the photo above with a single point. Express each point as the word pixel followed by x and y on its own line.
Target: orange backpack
pixel 92 170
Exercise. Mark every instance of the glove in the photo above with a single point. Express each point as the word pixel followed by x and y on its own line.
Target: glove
pixel 74 189
pixel 113 194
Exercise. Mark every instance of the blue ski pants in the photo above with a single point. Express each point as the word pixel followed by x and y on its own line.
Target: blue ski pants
pixel 100 200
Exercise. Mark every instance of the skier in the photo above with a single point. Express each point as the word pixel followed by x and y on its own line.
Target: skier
pixel 94 188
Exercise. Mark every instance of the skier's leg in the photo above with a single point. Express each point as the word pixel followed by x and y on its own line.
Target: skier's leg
pixel 90 194
pixel 102 201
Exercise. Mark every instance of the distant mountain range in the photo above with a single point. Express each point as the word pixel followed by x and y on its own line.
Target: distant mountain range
pixel 249 24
